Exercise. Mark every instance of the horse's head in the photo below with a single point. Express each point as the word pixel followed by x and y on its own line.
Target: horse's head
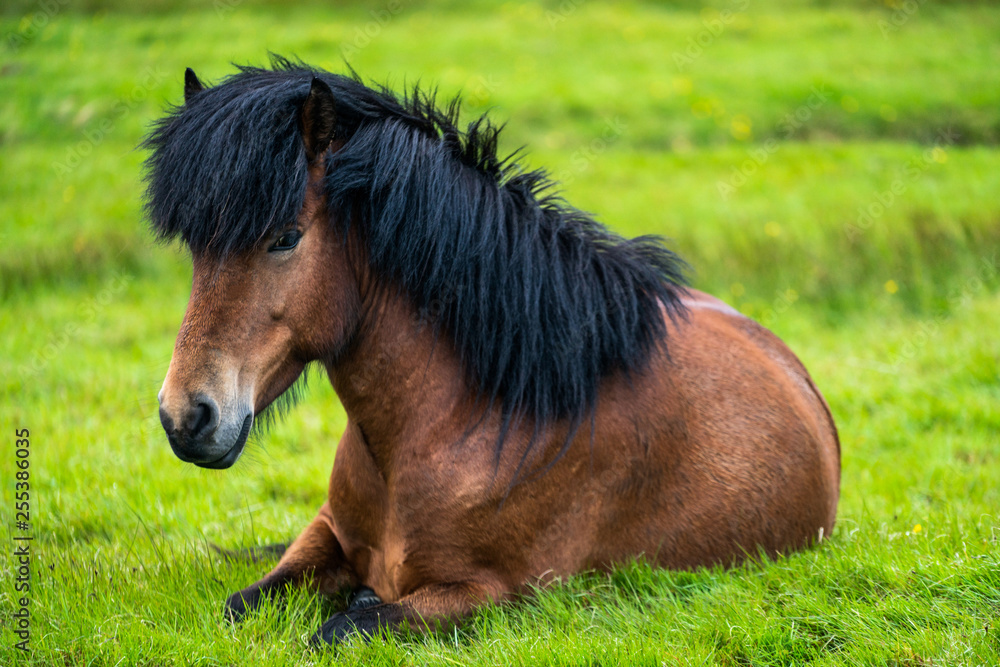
pixel 256 318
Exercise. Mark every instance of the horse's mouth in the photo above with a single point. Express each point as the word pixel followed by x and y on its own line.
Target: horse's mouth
pixel 230 457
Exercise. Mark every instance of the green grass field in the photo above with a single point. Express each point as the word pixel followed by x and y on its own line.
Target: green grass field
pixel 830 168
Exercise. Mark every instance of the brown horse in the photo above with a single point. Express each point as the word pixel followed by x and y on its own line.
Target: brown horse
pixel 529 395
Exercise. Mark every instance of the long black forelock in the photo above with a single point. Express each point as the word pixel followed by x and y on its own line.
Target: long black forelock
pixel 540 300
pixel 229 168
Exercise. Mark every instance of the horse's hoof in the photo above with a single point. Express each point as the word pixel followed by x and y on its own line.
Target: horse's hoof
pixel 239 605
pixel 363 598
pixel 334 631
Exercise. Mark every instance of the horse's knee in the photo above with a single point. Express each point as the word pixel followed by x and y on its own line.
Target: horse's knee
pixel 314 556
pixel 316 553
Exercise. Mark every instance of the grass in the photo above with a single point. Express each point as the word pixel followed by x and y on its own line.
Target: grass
pixel 893 313
pixel 847 122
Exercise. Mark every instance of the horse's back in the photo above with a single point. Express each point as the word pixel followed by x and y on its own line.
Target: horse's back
pixel 724 448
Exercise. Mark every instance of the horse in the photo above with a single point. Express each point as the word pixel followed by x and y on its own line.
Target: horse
pixel 529 395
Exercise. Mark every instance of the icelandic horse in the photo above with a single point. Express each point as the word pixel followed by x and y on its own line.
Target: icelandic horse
pixel 529 395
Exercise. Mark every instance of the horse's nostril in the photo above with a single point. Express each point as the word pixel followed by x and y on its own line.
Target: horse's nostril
pixel 203 420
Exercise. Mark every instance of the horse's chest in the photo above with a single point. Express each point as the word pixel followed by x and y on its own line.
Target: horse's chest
pixel 397 534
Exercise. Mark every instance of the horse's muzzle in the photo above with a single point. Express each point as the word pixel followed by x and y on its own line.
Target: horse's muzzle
pixel 199 435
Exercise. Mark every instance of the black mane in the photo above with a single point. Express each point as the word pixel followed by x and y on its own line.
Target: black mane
pixel 540 300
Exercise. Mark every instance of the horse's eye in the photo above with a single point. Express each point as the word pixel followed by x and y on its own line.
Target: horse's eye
pixel 286 241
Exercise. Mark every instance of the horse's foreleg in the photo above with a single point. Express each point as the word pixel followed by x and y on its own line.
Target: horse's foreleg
pixel 315 552
pixel 428 608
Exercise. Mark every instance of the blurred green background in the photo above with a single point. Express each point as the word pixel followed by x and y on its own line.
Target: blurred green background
pixel 830 168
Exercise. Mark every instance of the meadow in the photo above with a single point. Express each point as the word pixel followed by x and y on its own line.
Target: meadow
pixel 829 168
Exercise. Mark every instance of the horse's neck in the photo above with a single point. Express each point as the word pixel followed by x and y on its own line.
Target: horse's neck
pixel 397 376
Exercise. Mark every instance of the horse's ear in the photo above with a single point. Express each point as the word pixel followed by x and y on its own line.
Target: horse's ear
pixel 319 118
pixel 192 86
